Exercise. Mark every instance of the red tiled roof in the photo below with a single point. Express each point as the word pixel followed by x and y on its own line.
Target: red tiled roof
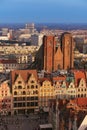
pixel 24 74
pixel 8 61
pixel 79 74
pixel 60 77
pixel 81 102
pixel 41 80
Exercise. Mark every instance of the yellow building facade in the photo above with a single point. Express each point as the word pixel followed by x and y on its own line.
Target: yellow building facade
pixel 46 92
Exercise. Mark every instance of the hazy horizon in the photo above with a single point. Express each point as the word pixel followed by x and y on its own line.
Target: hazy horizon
pixel 47 11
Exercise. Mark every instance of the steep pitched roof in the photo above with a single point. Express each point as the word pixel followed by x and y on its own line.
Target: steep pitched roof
pixel 81 102
pixel 59 77
pixel 41 80
pixel 24 74
pixel 78 75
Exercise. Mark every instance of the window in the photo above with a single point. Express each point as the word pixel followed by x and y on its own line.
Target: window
pixel 19 82
pixel 15 99
pixel 28 98
pixel 23 98
pixel 32 86
pixel 36 103
pixel 23 104
pixel 36 98
pixel 15 87
pixel 32 81
pixel 24 92
pixel 19 87
pixel 28 104
pixel 32 98
pixel 36 92
pixel 19 104
pixel 15 93
pixel 36 86
pixel 15 104
pixel 82 84
pixel 28 92
pixel 19 98
pixel 81 89
pixel 32 103
pixel 78 89
pixel 27 86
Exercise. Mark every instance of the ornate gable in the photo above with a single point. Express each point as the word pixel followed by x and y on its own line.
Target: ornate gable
pixel 71 85
pixel 19 79
pixel 58 84
pixel 82 83
pixel 31 79
pixel 58 58
pixel 63 84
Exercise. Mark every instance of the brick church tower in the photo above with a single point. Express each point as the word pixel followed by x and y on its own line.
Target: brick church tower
pixel 58 56
pixel 53 55
pixel 67 46
pixel 49 48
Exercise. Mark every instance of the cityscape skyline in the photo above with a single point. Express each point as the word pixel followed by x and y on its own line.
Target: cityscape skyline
pixel 47 11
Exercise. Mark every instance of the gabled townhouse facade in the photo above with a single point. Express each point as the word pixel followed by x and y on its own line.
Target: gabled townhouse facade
pixel 24 91
pixel 6 100
pixel 46 93
pixel 28 93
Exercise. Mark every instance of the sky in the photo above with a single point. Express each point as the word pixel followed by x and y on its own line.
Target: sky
pixel 43 11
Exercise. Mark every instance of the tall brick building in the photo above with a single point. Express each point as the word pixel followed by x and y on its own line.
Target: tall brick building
pixel 53 55
pixel 67 46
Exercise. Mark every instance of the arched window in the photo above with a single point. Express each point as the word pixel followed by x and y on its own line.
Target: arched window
pixel 36 86
pixel 32 86
pixel 15 93
pixel 84 95
pixel 81 95
pixel 19 87
pixel 24 92
pixel 78 95
pixel 28 87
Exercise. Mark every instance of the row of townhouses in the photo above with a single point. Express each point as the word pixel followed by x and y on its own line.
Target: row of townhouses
pixel 26 92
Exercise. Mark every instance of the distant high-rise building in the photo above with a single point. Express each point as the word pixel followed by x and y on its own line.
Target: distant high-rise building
pixel 30 27
pixel 37 39
pixel 4 31
pixel 54 55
